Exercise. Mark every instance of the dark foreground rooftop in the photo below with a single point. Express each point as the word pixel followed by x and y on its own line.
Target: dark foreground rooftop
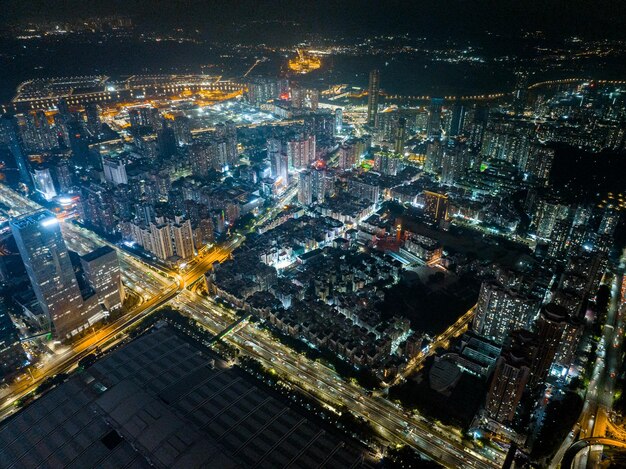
pixel 160 402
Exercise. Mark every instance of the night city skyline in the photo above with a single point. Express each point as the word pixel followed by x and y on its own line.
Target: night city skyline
pixel 313 234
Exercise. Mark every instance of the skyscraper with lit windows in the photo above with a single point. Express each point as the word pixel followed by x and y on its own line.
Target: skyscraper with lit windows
pixel 300 151
pixel 507 386
pixel 436 206
pixel 102 271
pixel 305 187
pixel 558 337
pixel 45 256
pixel 433 129
pixel 42 179
pixel 373 94
pixel 400 137
pixel 279 160
pixel 501 310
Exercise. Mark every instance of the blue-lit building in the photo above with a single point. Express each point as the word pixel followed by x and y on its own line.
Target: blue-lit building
pixel 49 268
pixel 433 129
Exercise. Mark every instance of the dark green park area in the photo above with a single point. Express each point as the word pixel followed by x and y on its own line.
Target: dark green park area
pixel 458 408
pixel 429 310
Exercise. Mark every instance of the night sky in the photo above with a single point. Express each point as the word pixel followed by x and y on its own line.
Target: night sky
pixel 559 17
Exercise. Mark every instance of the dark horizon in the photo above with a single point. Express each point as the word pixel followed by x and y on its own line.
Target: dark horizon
pixel 557 18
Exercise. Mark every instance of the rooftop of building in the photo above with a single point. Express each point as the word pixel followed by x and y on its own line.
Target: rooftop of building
pixel 162 402
pixel 40 216
pixel 97 253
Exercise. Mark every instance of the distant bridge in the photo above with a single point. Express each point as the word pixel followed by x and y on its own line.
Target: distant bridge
pixel 569 81
pixel 492 96
pixel 476 97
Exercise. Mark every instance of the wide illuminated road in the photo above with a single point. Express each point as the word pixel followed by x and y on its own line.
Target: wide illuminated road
pixel 391 421
pixel 594 419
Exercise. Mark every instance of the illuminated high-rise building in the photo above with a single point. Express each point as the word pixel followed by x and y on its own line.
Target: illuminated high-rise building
pixel 304 98
pixel 182 129
pixel 114 171
pixel 373 97
pixel 455 161
pixel 221 155
pixel 580 280
pixel 421 120
pixel 365 187
pixel 102 271
pixel 204 233
pixel 42 179
pixel 301 152
pixel 536 162
pixel 457 120
pixel 501 310
pixel 262 90
pixel 521 91
pixel 400 137
pixel 558 335
pixel 63 176
pixel 433 129
pixel 97 208
pixel 226 134
pixel 182 235
pixel 161 240
pixel 45 256
pixel 338 120
pixel 202 158
pixel 507 386
pixel 434 155
pixel 387 163
pixel 279 160
pixel 474 125
pixel 305 187
pixel 347 156
pixel 386 126
pixel 94 125
pixel 322 184
pixel 321 124
pixel 609 221
pixel 38 134
pixel 560 238
pixel 549 212
pixel 145 116
pixel 436 206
